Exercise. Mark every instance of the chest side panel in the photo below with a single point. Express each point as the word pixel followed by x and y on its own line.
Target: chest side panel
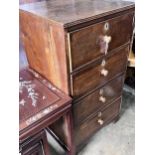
pixel 44 43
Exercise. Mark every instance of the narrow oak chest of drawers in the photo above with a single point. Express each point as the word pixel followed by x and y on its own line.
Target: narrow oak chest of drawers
pixel 82 47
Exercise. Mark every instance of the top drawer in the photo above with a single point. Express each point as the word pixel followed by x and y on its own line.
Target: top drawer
pixel 94 41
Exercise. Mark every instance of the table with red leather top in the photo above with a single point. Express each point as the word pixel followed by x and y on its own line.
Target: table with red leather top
pixel 40 105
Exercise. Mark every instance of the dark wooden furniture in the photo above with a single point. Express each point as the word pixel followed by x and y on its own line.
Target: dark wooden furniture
pixel 82 47
pixel 40 105
pixel 35 145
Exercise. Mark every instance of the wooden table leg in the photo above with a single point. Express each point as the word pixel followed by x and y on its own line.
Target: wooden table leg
pixel 69 132
pixel 45 143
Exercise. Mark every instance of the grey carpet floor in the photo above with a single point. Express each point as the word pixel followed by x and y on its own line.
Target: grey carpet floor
pixel 116 138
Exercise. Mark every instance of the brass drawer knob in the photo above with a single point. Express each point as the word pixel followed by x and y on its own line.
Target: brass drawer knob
pixel 100 121
pixel 102 99
pixel 104 72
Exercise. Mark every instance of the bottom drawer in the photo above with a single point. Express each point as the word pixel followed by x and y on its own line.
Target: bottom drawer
pixel 86 129
pixel 34 145
pixel 36 149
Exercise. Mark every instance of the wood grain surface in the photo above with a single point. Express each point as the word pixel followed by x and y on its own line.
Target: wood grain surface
pixel 63 41
pixel 39 100
pixel 72 12
pixel 86 129
pixel 91 103
pixel 90 77
pixel 85 42
pixel 44 45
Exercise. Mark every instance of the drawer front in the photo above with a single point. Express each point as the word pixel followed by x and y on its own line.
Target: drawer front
pixel 100 73
pixel 88 128
pixel 89 43
pixel 100 98
pixel 36 149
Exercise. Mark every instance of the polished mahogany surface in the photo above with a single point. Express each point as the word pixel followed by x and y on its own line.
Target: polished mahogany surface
pixel 90 77
pixel 70 12
pixel 40 105
pixel 84 108
pixel 44 44
pixel 101 118
pixel 34 96
pixel 38 98
pixel 86 43
pixel 81 47
pixel 35 145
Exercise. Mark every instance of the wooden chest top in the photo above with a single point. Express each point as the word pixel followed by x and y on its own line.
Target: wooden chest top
pixel 72 12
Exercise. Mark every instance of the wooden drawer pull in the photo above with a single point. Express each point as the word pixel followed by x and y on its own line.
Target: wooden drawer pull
pixel 107 40
pixel 104 43
pixel 103 63
pixel 102 99
pixel 99 114
pixel 101 92
pixel 104 72
pixel 100 121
